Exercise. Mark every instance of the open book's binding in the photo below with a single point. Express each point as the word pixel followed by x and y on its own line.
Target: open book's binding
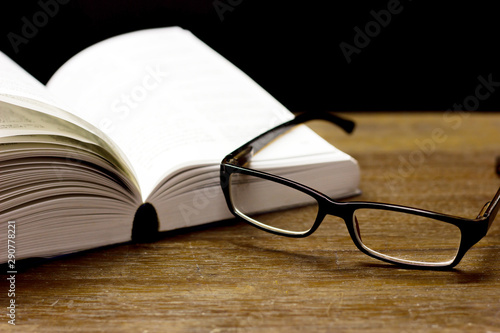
pixel 72 182
pixel 145 225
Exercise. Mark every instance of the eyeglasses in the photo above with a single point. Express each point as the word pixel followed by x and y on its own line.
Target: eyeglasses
pixel 392 233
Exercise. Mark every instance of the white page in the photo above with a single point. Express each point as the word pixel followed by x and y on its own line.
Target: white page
pixel 165 98
pixel 28 108
pixel 16 81
pixel 168 100
pixel 19 88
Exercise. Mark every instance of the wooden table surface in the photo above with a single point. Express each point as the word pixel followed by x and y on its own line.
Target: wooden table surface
pixel 231 277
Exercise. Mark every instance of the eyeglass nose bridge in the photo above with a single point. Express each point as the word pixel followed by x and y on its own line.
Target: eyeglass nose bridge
pixel 344 210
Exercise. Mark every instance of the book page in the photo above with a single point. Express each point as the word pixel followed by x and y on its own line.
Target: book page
pixel 167 100
pixel 28 108
pixel 18 87
pixel 15 81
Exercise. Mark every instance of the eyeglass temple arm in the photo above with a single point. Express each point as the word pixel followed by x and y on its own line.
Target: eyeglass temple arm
pixel 490 209
pixel 243 154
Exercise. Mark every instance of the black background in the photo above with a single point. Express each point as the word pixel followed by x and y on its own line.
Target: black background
pixel 428 57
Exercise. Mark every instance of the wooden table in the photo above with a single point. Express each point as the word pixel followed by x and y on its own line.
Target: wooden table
pixel 231 277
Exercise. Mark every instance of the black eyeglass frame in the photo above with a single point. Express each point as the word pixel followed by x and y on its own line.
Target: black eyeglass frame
pixel 472 230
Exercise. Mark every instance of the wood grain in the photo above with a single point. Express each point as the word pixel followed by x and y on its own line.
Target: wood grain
pixel 231 277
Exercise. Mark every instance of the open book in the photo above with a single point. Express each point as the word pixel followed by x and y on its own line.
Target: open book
pixel 145 117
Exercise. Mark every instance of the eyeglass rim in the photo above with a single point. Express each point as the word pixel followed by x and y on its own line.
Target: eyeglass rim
pixel 471 230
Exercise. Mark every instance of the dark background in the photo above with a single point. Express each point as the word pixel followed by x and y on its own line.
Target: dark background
pixel 428 57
